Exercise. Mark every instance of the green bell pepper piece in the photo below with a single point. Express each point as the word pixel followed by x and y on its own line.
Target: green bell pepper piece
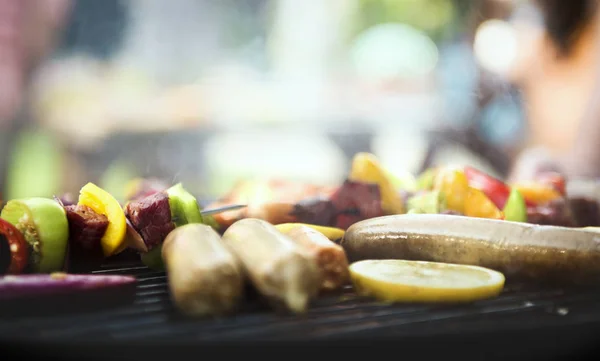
pixel 432 202
pixel 515 208
pixel 44 225
pixel 184 206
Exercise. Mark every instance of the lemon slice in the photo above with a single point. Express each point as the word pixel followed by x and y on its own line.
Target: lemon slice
pixel 418 281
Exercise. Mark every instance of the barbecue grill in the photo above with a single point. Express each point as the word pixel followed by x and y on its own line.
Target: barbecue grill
pixel 532 321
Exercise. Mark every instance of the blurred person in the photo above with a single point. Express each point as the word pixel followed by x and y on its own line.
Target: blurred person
pixel 28 30
pixel 560 83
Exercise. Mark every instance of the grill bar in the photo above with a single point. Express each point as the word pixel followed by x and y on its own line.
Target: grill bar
pixel 152 317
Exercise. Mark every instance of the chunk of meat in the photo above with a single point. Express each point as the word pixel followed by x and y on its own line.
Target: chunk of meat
pixel 318 211
pixel 586 211
pixel 151 217
pixel 354 202
pixel 554 213
pixel 86 229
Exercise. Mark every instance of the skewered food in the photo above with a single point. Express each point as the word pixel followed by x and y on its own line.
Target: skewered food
pixel 14 252
pixel 44 225
pixel 103 203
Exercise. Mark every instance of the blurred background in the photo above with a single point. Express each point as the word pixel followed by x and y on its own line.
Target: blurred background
pixel 207 92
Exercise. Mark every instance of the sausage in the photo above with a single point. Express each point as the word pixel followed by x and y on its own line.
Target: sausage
pixel 277 267
pixel 329 256
pixel 204 276
pixel 519 250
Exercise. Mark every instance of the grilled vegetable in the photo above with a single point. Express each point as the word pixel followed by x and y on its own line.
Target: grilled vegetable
pixel 184 206
pixel 417 281
pixel 553 179
pixel 204 276
pixel 537 193
pixel 329 256
pixel 496 190
pixel 274 263
pixel 477 204
pixel 105 204
pixel 426 180
pixel 453 185
pixel 427 202
pixel 134 240
pixel 366 169
pixel 153 258
pixel 332 233
pixel 58 293
pixel 519 250
pixel 15 249
pixel 515 209
pixel 43 223
pixel 58 282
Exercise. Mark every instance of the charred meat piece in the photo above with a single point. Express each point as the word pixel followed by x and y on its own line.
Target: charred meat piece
pixel 86 229
pixel 554 213
pixel 272 200
pixel 354 202
pixel 317 211
pixel 151 217
pixel 585 211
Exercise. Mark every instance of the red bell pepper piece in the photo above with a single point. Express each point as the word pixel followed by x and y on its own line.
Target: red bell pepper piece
pixel 19 252
pixel 496 190
pixel 556 180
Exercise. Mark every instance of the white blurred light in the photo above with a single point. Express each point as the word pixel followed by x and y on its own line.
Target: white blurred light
pixel 496 46
pixel 393 50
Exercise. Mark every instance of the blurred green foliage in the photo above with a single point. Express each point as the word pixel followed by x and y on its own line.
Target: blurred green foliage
pixel 440 19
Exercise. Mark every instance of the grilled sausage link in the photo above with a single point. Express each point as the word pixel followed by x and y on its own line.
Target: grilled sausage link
pixel 329 256
pixel 204 276
pixel 277 267
pixel 519 250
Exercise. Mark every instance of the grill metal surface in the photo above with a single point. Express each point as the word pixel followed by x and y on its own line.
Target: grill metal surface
pixel 152 317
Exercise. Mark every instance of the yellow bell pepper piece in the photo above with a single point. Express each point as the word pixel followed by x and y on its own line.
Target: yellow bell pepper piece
pixel 477 204
pixel 537 193
pixel 332 233
pixel 104 203
pixel 454 186
pixel 366 168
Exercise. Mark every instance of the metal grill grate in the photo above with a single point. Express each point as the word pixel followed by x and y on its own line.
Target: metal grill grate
pixel 153 317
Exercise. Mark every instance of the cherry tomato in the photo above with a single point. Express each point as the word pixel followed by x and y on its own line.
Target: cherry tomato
pixel 19 253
